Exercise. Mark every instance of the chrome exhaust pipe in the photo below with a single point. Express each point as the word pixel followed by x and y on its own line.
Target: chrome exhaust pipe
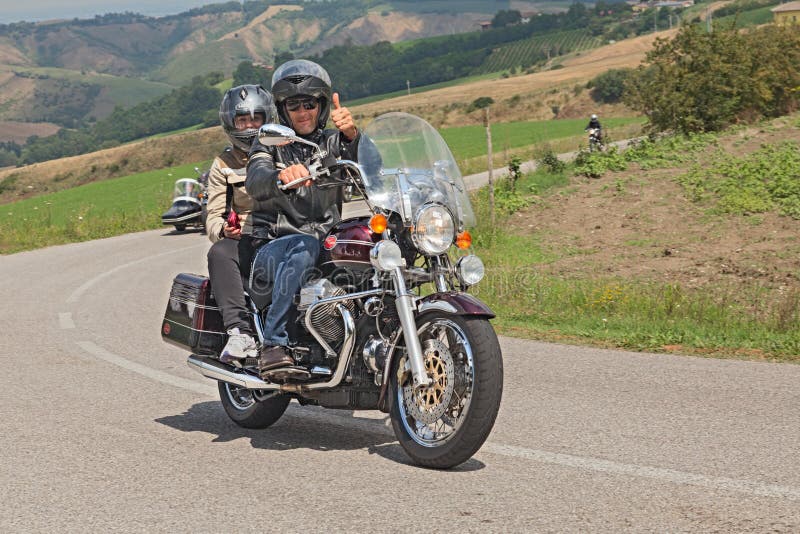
pixel 214 369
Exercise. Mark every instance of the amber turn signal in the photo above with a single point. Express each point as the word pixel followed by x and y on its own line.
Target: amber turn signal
pixel 464 240
pixel 377 223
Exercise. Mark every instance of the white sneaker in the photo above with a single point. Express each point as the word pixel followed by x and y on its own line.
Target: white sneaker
pixel 239 346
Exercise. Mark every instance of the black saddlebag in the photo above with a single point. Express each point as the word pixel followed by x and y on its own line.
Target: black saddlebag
pixel 193 320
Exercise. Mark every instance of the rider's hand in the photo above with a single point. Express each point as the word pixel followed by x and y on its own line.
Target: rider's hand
pixel 342 119
pixel 231 232
pixel 292 173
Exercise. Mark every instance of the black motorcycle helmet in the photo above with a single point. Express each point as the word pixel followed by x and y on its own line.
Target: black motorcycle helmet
pixel 245 100
pixel 300 77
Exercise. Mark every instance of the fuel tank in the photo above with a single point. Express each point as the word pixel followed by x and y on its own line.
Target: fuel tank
pixel 347 246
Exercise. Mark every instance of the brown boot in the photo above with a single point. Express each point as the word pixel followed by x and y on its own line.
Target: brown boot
pixel 274 358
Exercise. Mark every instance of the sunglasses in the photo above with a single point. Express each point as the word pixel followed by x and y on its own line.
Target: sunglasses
pixel 307 103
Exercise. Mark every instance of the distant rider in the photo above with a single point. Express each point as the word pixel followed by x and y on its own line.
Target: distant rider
pixel 595 123
pixel 244 109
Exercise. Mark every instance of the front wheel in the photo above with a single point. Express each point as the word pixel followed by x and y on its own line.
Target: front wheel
pixel 248 408
pixel 442 425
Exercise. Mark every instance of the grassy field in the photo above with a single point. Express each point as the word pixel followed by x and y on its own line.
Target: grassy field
pixel 91 211
pixel 470 141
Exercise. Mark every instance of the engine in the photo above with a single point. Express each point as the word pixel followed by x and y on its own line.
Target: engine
pixel 325 319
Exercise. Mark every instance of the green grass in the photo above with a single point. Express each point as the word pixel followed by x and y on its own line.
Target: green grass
pixel 470 141
pixel 101 209
pixel 766 180
pixel 745 19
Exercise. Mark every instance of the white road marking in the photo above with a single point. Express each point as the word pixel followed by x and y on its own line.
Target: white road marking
pixel 75 295
pixel 153 374
pixel 639 471
pixel 378 425
pixel 65 320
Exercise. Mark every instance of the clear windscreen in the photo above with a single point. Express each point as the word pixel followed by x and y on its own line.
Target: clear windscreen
pixel 407 164
pixel 186 187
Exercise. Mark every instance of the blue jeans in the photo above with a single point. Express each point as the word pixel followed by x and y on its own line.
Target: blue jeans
pixel 279 268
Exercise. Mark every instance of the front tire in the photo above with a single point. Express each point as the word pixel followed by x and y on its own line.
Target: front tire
pixel 246 410
pixel 444 424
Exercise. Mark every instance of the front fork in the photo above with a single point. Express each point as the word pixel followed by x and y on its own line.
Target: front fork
pixel 404 303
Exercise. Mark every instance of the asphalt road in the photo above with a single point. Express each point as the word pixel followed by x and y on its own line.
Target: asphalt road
pixel 105 428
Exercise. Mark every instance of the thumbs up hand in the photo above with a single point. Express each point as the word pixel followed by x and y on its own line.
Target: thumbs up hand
pixel 342 119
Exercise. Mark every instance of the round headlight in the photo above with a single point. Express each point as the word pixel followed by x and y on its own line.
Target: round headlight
pixel 470 270
pixel 434 230
pixel 386 256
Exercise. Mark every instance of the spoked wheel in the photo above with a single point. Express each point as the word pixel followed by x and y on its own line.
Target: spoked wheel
pixel 443 424
pixel 251 409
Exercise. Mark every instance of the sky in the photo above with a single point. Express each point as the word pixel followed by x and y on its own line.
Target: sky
pixel 35 10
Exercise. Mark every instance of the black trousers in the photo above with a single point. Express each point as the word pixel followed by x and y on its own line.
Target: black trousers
pixel 229 268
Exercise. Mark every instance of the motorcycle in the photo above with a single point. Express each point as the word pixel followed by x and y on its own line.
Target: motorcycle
pixel 595 142
pixel 368 334
pixel 189 203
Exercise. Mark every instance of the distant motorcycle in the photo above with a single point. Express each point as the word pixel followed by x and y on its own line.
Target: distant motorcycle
pixel 189 202
pixel 595 141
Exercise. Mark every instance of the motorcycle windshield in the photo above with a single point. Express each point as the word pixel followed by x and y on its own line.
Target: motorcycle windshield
pixel 406 164
pixel 186 189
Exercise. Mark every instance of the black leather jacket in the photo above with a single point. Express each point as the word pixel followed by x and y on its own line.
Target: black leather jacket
pixel 593 123
pixel 311 210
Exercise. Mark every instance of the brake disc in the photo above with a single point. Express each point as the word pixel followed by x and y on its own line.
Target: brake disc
pixel 427 404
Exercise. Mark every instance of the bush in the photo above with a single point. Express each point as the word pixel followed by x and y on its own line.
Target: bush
pixel 549 160
pixel 479 103
pixel 610 86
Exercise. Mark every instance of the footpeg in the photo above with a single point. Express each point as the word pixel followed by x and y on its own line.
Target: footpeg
pixel 286 374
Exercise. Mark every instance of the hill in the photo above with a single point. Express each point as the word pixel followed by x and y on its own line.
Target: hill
pixel 534 96
pixel 528 97
pixel 81 69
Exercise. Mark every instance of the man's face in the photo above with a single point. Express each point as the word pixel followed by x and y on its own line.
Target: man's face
pixel 246 122
pixel 302 113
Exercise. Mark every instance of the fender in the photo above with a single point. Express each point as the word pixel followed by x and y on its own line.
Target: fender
pixel 454 302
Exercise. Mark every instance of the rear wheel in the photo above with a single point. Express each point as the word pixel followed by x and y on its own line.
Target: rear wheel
pixel 442 425
pixel 251 409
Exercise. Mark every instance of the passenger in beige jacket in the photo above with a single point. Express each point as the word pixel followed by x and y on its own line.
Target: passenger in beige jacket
pixel 229 224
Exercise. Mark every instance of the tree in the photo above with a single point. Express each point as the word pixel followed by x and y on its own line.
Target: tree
pixel 705 81
pixel 247 73
pixel 609 86
pixel 281 58
pixel 505 18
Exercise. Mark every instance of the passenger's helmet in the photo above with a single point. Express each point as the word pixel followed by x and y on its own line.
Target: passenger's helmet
pixel 245 100
pixel 300 77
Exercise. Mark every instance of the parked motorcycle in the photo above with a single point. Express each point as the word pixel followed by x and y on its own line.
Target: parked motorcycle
pixel 595 141
pixel 386 322
pixel 188 203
